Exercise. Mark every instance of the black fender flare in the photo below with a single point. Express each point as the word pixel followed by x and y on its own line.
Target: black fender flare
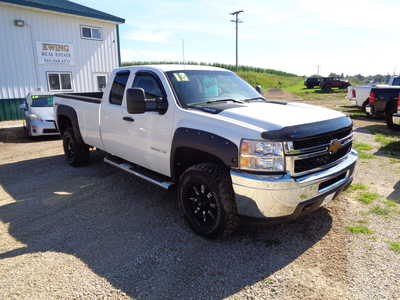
pixel 210 143
pixel 70 113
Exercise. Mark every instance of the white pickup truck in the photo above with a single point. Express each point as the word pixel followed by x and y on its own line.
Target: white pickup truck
pixel 234 155
pixel 361 94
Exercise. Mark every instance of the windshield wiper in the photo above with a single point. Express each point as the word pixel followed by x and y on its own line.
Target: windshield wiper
pixel 215 101
pixel 255 98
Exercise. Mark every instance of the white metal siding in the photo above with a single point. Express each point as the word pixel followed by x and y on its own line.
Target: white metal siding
pixel 20 72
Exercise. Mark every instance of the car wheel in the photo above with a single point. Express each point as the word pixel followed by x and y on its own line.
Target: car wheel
pixel 76 153
pixel 364 106
pixel 28 130
pixel 206 199
pixel 326 88
pixel 389 118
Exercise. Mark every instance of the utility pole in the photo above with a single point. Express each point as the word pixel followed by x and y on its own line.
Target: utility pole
pixel 237 21
pixel 317 69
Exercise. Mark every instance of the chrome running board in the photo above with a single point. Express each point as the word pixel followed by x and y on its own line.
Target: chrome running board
pixel 140 172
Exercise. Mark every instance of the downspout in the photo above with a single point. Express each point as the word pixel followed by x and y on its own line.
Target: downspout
pixel 119 48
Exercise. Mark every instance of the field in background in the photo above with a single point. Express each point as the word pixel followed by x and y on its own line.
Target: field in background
pixel 267 78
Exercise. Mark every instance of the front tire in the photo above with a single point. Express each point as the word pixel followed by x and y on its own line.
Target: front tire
pixel 76 153
pixel 206 199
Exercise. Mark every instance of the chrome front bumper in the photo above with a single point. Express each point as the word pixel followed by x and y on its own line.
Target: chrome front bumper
pixel 43 128
pixel 396 119
pixel 274 196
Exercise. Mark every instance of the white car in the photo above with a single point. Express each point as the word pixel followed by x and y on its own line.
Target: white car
pixel 39 114
pixel 231 153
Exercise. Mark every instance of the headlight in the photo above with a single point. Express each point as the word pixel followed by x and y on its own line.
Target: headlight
pixel 262 156
pixel 34 117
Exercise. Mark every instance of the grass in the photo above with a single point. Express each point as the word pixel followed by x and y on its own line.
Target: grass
pixel 390 143
pixel 364 155
pixel 395 247
pixel 367 197
pixel 359 229
pixel 362 222
pixel 268 81
pixel 380 211
pixel 390 203
pixel 299 89
pixel 362 147
pixel 357 187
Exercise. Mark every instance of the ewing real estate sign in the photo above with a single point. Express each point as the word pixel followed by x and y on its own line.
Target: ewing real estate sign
pixel 54 53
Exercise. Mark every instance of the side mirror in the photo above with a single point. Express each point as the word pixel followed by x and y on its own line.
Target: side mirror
pixel 259 89
pixel 23 106
pixel 135 101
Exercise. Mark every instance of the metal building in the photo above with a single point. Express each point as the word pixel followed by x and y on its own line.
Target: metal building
pixel 55 46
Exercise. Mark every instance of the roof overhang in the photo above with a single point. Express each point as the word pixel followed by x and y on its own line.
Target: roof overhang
pixel 71 9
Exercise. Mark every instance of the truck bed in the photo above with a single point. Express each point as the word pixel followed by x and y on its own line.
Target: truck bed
pixel 94 97
pixel 87 108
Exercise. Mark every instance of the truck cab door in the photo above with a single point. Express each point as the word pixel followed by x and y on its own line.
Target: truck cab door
pixel 148 136
pixel 111 120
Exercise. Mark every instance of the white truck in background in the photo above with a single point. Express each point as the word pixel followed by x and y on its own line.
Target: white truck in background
pixel 232 154
pixel 361 94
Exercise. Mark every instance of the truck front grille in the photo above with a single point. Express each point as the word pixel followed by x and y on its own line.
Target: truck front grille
pixel 320 140
pixel 312 163
pixel 313 154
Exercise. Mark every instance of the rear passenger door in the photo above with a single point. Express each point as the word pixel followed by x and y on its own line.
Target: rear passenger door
pixel 111 120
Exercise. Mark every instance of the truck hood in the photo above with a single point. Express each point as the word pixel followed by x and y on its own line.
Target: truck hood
pixel 45 113
pixel 275 115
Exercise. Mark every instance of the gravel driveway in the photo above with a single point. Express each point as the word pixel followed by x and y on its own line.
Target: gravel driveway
pixel 96 232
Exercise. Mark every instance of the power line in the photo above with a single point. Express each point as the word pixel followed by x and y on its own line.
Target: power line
pixel 237 21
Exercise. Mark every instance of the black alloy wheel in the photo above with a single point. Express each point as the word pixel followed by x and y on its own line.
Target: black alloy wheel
pixel 207 200
pixel 76 152
pixel 201 205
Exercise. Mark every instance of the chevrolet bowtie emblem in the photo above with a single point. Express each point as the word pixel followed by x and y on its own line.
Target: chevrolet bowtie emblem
pixel 334 146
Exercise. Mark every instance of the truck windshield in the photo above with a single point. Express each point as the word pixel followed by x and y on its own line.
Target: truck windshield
pixel 42 101
pixel 198 86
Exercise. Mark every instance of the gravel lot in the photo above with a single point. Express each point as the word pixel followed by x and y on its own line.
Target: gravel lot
pixel 96 232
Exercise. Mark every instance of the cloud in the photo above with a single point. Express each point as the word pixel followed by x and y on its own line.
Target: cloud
pixel 356 13
pixel 128 55
pixel 148 35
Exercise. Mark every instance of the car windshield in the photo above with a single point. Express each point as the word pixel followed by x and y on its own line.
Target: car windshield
pixel 197 86
pixel 42 101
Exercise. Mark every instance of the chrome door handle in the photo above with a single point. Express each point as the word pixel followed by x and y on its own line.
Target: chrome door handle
pixel 128 119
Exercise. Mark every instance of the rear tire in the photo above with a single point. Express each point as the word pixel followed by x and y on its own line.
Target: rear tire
pixel 389 118
pixel 76 153
pixel 206 199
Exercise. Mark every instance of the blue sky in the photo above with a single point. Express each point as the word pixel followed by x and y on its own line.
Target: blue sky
pixel 343 36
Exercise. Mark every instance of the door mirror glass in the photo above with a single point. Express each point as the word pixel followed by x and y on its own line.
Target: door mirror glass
pixel 135 101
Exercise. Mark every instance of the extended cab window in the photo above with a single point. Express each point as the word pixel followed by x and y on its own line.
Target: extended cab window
pixel 150 85
pixel 118 87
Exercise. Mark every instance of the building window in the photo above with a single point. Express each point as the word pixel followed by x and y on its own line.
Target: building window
pixel 101 82
pixel 59 81
pixel 92 33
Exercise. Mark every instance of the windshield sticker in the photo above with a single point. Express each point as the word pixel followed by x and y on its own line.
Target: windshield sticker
pixel 181 77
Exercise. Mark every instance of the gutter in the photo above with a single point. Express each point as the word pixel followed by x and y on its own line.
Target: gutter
pixel 118 47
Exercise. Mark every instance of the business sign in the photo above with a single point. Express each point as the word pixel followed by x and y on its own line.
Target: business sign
pixel 54 53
